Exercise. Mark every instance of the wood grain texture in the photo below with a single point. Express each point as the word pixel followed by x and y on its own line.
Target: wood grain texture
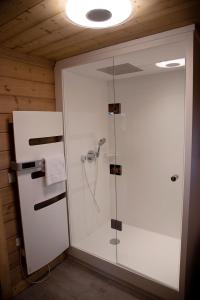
pixel 13 103
pixel 14 259
pixel 26 83
pixel 9 212
pixel 4 142
pixel 4 121
pixel 19 70
pixel 18 87
pixel 7 195
pixel 4 160
pixel 30 17
pixel 11 245
pixel 5 291
pixel 43 30
pixel 13 8
pixel 22 57
pixel 11 228
pixel 4 178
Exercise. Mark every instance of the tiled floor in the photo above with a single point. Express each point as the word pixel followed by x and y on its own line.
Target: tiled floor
pixel 72 281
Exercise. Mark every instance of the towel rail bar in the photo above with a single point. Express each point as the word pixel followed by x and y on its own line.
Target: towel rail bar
pixel 28 165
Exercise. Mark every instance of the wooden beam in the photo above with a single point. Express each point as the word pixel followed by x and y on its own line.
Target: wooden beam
pixel 5 288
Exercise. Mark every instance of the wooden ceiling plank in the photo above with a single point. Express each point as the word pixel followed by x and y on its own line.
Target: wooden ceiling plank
pixel 91 33
pixel 43 28
pixel 62 33
pixel 179 18
pixel 31 17
pixel 11 9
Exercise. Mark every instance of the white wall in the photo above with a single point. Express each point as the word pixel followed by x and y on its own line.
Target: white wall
pixel 86 105
pixel 150 137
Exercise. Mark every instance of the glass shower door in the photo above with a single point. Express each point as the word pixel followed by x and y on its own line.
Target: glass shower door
pixel 90 144
pixel 149 132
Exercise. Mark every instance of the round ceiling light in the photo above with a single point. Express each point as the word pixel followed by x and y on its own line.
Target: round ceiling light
pixel 176 63
pixel 98 13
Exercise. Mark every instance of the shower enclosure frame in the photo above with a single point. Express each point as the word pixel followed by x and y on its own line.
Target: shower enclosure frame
pixel 191 205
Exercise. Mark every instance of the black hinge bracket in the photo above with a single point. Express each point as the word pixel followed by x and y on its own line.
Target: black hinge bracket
pixel 115 169
pixel 114 108
pixel 115 224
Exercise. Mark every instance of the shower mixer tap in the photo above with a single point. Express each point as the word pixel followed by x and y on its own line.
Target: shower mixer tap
pixel 92 155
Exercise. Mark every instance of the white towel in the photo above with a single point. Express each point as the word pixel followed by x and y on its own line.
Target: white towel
pixel 55 169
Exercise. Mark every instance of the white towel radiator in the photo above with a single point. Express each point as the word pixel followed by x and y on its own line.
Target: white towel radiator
pixel 43 208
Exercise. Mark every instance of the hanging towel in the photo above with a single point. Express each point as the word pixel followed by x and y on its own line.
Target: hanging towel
pixel 55 169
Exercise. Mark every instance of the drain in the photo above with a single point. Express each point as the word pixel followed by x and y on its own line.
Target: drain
pixel 99 15
pixel 114 241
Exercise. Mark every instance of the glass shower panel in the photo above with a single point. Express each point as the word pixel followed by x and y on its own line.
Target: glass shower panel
pixel 150 150
pixel 90 147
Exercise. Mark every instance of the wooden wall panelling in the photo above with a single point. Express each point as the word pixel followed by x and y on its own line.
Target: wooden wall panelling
pixel 19 70
pixel 4 160
pixel 24 58
pixel 26 83
pixel 5 287
pixel 4 120
pixel 12 86
pixel 4 142
pixel 7 194
pixel 11 103
pixel 3 178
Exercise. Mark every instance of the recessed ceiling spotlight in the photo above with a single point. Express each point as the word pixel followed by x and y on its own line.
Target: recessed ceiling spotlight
pixel 98 13
pixel 176 63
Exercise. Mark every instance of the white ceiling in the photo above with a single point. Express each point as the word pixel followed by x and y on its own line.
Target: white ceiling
pixel 143 59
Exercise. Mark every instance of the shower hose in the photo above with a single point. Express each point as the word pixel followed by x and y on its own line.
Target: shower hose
pixel 92 192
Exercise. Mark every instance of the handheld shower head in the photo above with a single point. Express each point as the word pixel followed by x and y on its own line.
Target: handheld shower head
pixel 101 141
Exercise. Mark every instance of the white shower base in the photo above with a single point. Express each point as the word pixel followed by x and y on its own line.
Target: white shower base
pixel 144 252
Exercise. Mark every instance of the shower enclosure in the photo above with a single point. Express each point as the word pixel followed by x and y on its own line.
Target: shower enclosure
pixel 127 136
